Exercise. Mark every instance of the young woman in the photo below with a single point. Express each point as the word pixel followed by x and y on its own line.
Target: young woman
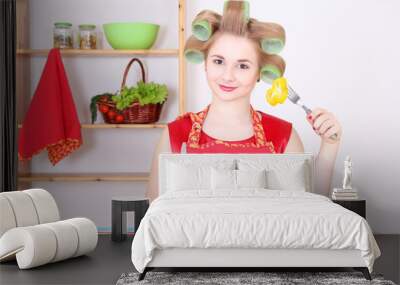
pixel 234 63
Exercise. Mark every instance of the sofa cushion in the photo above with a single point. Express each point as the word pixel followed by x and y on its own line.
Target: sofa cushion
pixel 27 208
pixel 45 205
pixel 40 244
pixel 23 208
pixel 7 215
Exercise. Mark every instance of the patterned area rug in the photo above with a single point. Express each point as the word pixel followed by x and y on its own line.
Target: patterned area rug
pixel 269 278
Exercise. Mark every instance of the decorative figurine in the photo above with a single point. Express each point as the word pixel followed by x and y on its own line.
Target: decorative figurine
pixel 347 173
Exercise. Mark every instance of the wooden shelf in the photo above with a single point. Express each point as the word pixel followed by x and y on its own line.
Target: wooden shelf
pixel 88 177
pixel 119 126
pixel 100 52
pixel 122 126
pixel 23 70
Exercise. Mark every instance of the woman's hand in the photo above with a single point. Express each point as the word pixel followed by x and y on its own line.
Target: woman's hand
pixel 325 125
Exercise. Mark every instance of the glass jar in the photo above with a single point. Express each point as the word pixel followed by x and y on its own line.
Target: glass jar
pixel 87 36
pixel 62 35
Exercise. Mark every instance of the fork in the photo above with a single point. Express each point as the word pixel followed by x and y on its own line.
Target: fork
pixel 295 98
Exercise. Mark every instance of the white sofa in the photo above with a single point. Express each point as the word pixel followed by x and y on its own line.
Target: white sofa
pixel 31 231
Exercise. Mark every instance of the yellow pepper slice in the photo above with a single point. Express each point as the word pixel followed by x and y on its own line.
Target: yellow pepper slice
pixel 278 92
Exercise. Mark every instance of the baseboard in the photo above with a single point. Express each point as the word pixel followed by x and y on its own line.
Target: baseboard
pixel 107 230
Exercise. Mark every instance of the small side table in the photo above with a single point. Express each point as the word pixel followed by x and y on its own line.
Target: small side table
pixel 121 205
pixel 357 206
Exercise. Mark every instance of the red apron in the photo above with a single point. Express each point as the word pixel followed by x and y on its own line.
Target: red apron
pixel 257 144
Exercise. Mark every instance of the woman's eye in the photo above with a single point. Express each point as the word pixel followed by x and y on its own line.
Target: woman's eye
pixel 244 66
pixel 218 61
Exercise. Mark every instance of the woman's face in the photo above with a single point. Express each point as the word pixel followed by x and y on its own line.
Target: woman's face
pixel 232 67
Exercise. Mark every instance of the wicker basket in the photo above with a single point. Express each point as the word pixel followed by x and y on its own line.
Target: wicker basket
pixel 135 114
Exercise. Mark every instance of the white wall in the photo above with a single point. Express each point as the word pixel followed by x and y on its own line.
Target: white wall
pixel 341 55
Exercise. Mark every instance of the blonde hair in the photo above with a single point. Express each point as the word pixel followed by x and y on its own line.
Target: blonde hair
pixel 268 38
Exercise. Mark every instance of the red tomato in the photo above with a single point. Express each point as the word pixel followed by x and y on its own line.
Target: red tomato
pixel 119 118
pixel 104 108
pixel 111 114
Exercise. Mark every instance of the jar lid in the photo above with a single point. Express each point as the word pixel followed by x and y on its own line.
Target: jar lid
pixel 63 25
pixel 87 27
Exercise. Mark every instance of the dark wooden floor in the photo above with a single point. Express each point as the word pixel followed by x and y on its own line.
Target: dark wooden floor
pixel 111 259
pixel 102 266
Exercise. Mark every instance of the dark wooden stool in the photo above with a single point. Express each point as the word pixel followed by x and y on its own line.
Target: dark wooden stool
pixel 121 205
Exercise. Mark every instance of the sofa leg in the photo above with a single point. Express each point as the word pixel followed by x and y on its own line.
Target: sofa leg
pixel 364 271
pixel 143 274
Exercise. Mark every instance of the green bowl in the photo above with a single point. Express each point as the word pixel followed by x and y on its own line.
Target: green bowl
pixel 131 35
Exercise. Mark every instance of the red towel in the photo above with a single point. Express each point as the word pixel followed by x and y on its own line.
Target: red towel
pixel 51 121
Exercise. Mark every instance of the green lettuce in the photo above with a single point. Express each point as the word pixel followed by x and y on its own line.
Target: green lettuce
pixel 144 93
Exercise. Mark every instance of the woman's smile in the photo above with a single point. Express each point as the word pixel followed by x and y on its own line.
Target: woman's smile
pixel 226 88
